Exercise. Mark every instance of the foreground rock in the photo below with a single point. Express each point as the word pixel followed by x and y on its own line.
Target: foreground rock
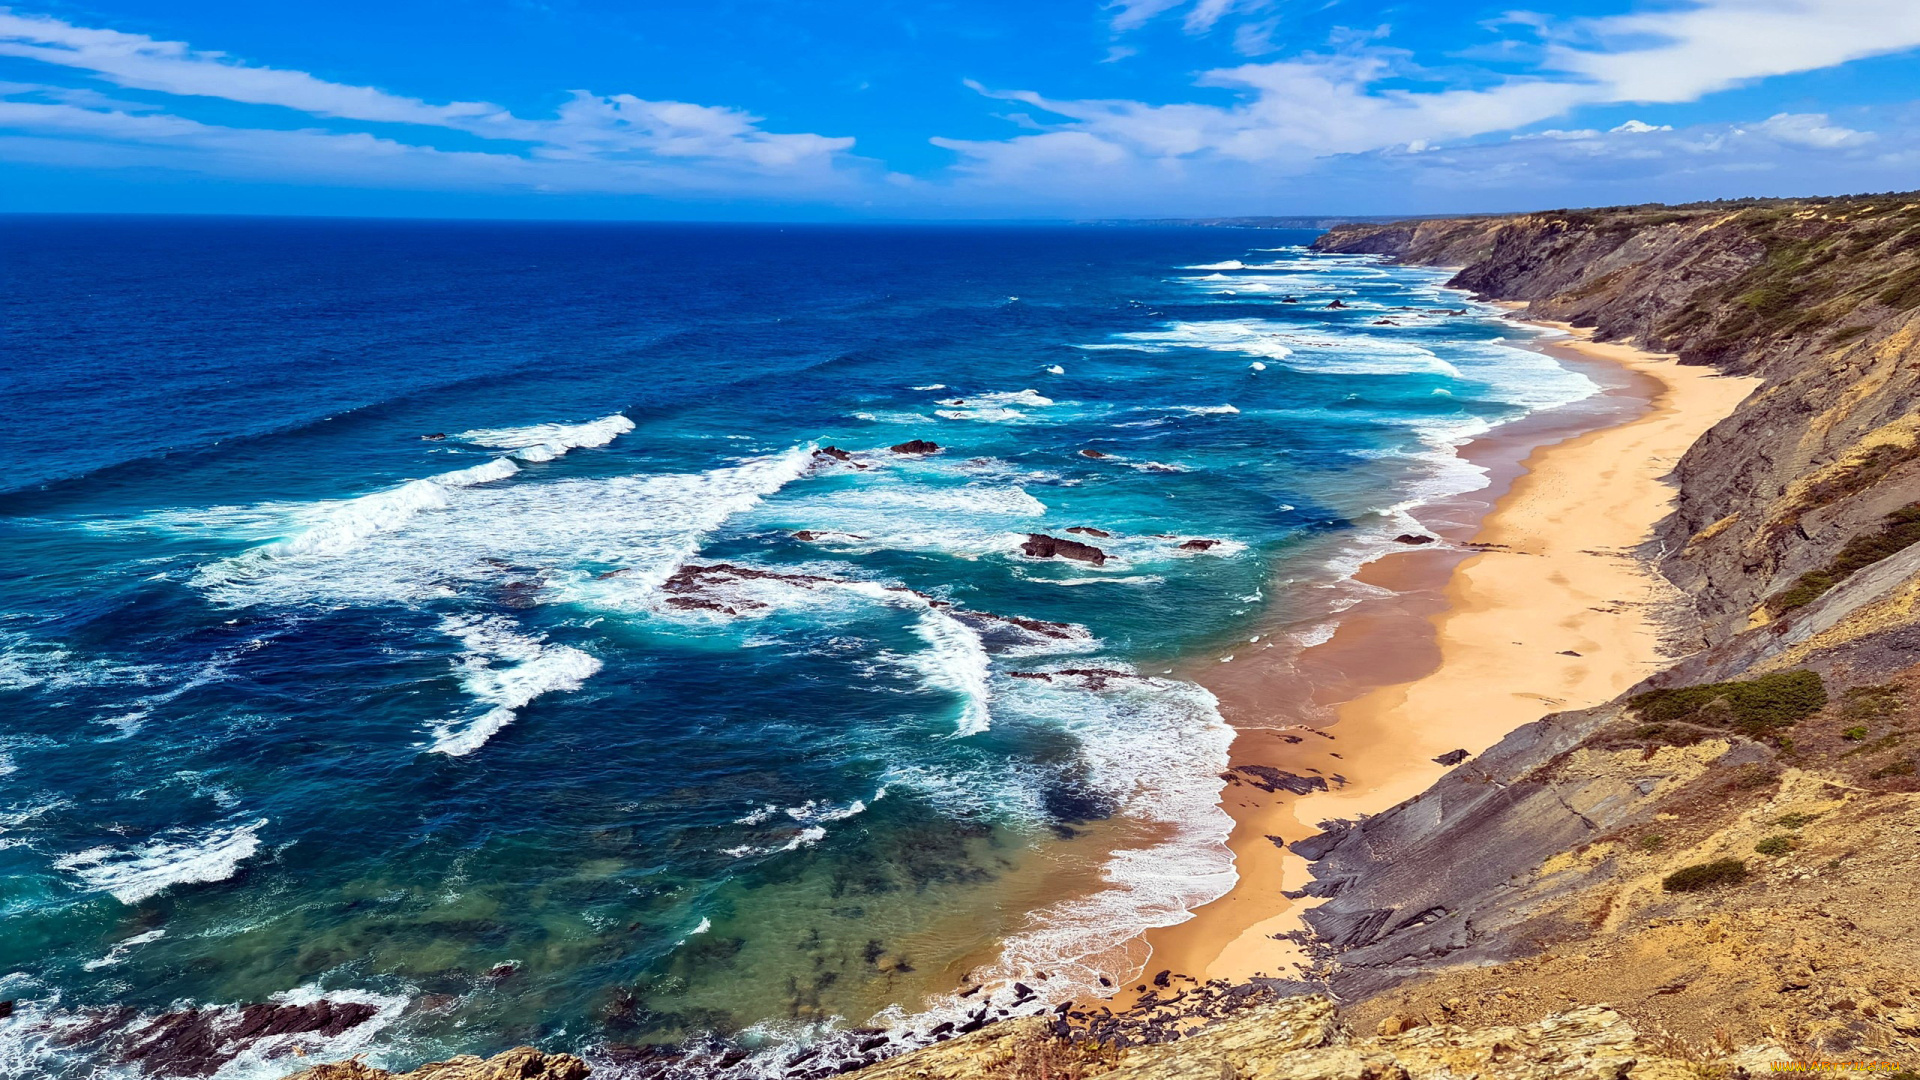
pixel 1041 546
pixel 915 446
pixel 520 1063
pixel 1303 1038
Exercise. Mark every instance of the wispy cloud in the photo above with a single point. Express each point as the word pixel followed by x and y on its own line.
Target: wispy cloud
pixel 1367 97
pixel 614 142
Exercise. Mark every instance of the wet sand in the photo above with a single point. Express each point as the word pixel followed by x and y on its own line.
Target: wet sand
pixel 1533 604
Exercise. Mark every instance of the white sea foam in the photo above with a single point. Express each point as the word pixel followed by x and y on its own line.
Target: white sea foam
pixel 956 661
pixel 175 857
pixel 545 442
pixel 555 537
pixel 1157 748
pixel 120 949
pixel 504 668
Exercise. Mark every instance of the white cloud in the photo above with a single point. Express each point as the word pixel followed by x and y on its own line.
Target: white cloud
pixel 631 143
pixel 1811 129
pixel 1366 97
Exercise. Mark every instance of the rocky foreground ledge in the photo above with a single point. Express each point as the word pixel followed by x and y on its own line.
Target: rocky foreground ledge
pixel 521 1063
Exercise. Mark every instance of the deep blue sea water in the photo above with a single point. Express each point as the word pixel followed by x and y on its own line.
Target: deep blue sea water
pixel 296 701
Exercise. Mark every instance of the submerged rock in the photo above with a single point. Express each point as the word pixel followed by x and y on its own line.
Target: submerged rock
pixel 1093 454
pixel 1199 545
pixel 1042 546
pixel 915 446
pixel 1086 531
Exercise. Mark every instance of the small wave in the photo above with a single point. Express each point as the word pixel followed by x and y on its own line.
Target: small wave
pixel 178 857
pixel 506 669
pixel 119 951
pixel 957 662
pixel 1230 264
pixel 545 442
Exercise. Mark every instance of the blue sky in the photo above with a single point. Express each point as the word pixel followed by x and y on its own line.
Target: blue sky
pixel 836 109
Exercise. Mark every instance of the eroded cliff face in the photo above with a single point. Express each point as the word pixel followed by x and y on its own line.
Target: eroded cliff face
pixel 1821 298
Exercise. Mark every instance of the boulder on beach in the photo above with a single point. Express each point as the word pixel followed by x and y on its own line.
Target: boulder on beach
pixel 1452 757
pixel 1042 546
pixel 915 446
pixel 1413 538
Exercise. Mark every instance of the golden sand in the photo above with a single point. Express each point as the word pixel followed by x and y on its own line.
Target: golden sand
pixel 1475 643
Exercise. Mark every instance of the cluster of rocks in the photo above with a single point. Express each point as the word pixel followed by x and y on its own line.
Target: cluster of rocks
pixel 196 1042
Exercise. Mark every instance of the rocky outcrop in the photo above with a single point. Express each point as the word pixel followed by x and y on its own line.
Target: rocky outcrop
pixel 1303 1038
pixel 521 1063
pixel 915 446
pixel 1041 546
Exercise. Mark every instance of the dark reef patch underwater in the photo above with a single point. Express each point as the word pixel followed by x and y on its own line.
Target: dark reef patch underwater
pixel 463 625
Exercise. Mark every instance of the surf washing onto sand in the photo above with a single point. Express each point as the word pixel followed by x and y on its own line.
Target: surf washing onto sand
pixel 732 670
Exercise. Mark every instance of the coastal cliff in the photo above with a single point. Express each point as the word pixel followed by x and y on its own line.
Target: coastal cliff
pixel 1707 875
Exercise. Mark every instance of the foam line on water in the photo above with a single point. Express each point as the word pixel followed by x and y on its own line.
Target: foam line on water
pixel 504 669
pixel 176 857
pixel 545 442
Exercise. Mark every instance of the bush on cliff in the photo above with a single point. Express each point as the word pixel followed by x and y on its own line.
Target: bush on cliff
pixel 1753 706
pixel 1706 876
pixel 1900 530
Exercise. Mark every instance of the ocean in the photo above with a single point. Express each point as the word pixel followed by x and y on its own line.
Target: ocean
pixel 471 621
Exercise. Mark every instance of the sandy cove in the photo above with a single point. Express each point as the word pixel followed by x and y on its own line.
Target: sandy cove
pixel 1535 605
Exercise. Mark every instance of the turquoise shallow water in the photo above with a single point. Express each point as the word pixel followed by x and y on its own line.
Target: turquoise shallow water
pixel 552 729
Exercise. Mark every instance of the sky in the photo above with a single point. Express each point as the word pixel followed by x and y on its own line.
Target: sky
pixel 947 109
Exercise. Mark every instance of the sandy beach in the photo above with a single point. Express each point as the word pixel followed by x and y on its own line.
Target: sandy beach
pixel 1534 604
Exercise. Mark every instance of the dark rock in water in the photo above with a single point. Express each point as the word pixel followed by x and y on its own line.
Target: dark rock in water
pixel 805 534
pixel 1336 305
pixel 503 971
pixel 6 1009
pixel 1012 629
pixel 1163 979
pixel 915 446
pixel 1269 779
pixel 198 1042
pixel 875 1043
pixel 1453 757
pixel 1385 322
pixel 1199 545
pixel 435 437
pixel 622 572
pixel 1040 676
pixel 833 452
pixel 1042 546
pixel 1412 538
pixel 1085 531
pixel 941 1029
pixel 1093 454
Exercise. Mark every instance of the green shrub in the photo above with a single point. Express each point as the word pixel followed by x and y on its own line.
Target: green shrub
pixel 1776 845
pixel 1854 734
pixel 1653 842
pixel 1754 706
pixel 1898 768
pixel 1884 742
pixel 1706 876
pixel 1873 702
pixel 1795 821
pixel 1899 531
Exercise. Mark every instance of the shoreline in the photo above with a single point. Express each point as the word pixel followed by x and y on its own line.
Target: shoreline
pixel 1534 587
